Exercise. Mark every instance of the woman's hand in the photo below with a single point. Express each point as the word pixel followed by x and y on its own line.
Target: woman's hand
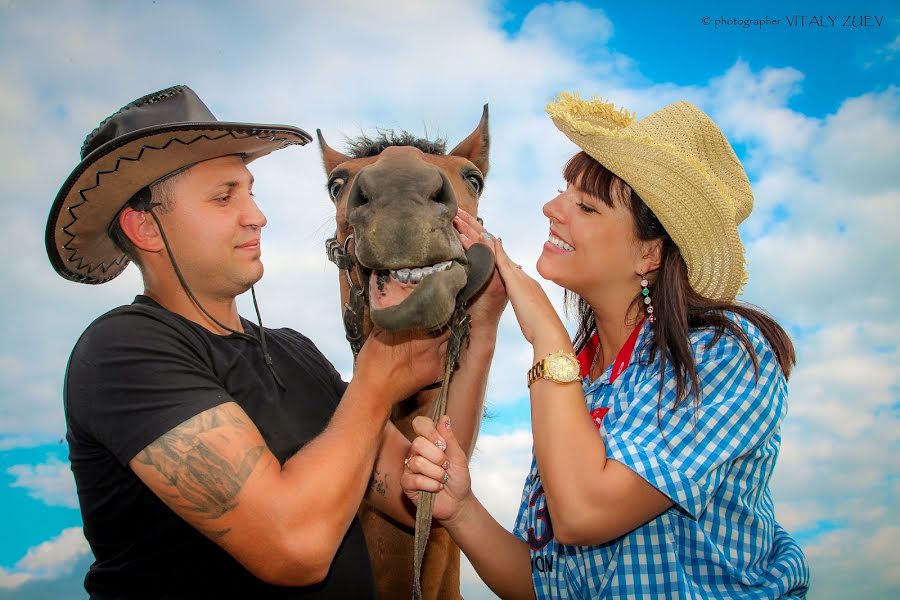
pixel 438 464
pixel 488 304
pixel 537 317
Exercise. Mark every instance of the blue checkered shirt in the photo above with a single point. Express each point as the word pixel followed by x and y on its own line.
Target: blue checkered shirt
pixel 720 539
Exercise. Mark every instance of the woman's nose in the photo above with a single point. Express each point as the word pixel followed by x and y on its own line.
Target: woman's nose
pixel 554 209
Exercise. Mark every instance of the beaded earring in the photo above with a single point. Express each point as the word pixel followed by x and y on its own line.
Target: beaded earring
pixel 645 291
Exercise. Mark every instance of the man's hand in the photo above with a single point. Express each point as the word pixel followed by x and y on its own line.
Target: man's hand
pixel 399 364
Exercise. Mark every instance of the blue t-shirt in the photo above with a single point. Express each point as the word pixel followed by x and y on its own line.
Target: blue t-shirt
pixel 720 538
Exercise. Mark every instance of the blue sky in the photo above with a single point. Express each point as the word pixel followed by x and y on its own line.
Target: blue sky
pixel 813 112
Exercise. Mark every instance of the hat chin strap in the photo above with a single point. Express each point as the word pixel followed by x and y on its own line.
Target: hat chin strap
pixel 262 332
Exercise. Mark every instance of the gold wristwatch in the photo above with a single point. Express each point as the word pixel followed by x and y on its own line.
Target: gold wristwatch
pixel 561 367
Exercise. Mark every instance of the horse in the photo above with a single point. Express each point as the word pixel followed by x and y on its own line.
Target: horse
pixel 395 196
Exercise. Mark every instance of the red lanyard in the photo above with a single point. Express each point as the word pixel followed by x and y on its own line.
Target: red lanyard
pixel 623 358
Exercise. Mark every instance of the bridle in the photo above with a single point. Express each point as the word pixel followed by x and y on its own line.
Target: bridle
pixel 354 307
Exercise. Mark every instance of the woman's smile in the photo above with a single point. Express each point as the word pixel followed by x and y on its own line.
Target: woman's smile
pixel 557 244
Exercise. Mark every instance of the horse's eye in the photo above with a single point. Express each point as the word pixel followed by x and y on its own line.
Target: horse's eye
pixel 476 182
pixel 334 188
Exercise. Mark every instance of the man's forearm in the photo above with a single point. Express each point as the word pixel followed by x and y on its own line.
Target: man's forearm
pixel 326 480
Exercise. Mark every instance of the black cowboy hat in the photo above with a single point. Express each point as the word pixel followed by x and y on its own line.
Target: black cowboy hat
pixel 135 147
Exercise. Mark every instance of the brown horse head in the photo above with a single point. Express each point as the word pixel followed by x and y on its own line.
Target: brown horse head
pixel 397 196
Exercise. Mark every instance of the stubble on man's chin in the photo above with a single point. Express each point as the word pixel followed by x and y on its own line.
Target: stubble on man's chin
pixel 243 285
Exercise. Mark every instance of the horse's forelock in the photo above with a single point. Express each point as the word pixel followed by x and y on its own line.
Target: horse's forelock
pixel 363 146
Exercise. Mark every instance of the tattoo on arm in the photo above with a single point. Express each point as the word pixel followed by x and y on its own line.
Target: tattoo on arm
pixel 193 459
pixel 378 483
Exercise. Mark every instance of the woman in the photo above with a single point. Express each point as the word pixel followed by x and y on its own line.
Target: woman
pixel 654 445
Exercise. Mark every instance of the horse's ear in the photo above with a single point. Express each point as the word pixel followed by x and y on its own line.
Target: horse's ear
pixel 477 146
pixel 330 157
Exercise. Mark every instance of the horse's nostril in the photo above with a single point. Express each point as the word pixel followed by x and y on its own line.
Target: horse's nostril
pixel 444 194
pixel 357 196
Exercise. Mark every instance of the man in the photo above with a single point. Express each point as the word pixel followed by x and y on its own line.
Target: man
pixel 213 457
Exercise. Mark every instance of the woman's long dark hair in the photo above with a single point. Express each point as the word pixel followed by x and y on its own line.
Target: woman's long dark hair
pixel 678 309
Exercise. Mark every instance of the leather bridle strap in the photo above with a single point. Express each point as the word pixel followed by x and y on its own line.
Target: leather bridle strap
pixel 353 309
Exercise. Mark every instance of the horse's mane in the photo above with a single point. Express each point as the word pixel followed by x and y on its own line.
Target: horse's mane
pixel 364 146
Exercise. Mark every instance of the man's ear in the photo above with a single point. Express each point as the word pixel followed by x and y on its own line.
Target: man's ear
pixel 140 228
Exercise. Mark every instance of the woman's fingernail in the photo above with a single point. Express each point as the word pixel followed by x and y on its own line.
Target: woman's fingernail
pixel 447 422
pixel 441 444
pixel 446 465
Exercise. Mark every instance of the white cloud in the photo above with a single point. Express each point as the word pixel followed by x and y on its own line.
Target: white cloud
pixel 56 556
pixel 887 53
pixel 830 259
pixel 20 441
pixel 498 468
pixel 48 560
pixel 859 150
pixel 822 240
pixel 12 580
pixel 571 23
pixel 51 482
pixel 875 564
pixel 752 108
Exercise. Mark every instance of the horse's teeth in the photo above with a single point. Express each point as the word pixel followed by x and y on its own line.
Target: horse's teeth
pixel 415 275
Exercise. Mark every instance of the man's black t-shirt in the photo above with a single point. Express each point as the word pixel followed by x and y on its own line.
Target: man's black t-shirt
pixel 137 372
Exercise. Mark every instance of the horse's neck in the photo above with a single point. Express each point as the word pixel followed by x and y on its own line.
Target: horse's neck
pixel 406 410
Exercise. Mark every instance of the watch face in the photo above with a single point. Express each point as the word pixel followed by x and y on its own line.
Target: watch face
pixel 563 368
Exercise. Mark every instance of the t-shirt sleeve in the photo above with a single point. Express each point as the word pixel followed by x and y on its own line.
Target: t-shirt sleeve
pixel 340 386
pixel 686 452
pixel 133 377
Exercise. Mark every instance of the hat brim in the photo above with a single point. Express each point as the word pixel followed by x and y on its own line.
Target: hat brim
pixel 76 236
pixel 691 208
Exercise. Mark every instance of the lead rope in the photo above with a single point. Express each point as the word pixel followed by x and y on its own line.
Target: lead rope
pixel 460 326
pixel 262 334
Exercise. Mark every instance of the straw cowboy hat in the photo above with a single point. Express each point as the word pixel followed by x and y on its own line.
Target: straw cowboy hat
pixel 681 165
pixel 143 142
